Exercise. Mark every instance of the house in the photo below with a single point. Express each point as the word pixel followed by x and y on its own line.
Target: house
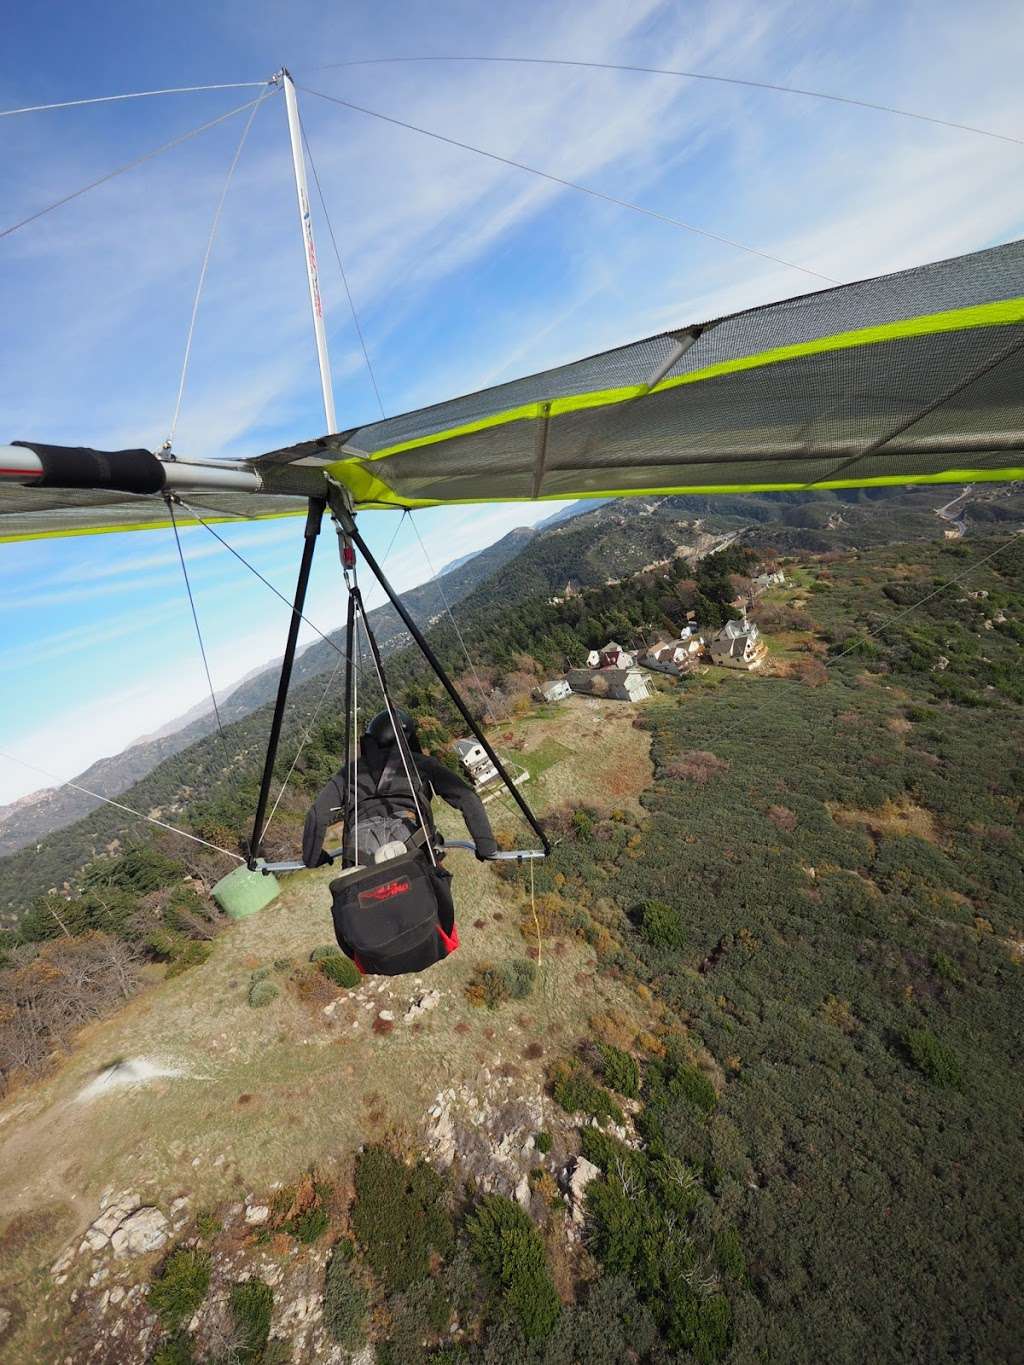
pixel 613 656
pixel 738 645
pixel 770 578
pixel 616 684
pixel 475 763
pixel 556 690
pixel 668 656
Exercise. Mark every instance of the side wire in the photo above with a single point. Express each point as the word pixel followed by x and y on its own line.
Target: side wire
pixel 128 166
pixel 574 185
pixel 199 633
pixel 206 263
pixel 694 76
pixel 132 95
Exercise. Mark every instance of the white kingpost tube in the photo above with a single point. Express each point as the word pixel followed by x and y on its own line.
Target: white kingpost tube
pixel 306 221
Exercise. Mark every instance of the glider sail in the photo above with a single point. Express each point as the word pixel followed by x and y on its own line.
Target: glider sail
pixel 913 377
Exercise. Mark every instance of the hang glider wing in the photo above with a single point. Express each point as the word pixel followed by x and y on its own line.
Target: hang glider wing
pixel 910 378
pixel 915 377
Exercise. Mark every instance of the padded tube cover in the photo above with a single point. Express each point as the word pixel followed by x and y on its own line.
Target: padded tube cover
pixel 122 471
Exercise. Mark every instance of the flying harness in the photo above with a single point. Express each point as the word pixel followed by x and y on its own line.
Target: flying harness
pixel 392 907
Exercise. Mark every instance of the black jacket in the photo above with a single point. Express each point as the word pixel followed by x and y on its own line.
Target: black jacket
pixel 383 789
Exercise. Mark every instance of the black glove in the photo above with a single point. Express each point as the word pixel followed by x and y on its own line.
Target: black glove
pixel 485 854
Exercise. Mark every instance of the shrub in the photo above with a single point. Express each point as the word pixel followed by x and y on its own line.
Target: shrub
pixel 542 1142
pixel 309 1225
pixel 193 953
pixel 620 1070
pixel 933 1059
pixel 261 993
pixel 340 969
pixel 252 1303
pixel 325 950
pixel 301 1210
pixel 492 984
pixel 174 1350
pixel 729 1253
pixel 579 1093
pixel 400 1216
pixel 180 1286
pixel 510 1251
pixel 661 925
pixel 345 1301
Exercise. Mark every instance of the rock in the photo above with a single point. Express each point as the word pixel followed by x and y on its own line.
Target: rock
pixel 116 1294
pixel 522 1194
pixel 329 1009
pixel 578 1177
pixel 145 1230
pixel 387 1015
pixel 426 1002
pixel 179 1205
pixel 255 1214
pixel 98 1276
pixel 5 1320
pixel 64 1262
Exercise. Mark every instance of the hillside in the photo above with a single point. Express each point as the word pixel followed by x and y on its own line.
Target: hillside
pixel 757 1100
pixel 604 543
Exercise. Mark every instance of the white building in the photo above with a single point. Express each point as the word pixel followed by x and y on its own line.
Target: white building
pixel 617 684
pixel 555 690
pixel 475 763
pixel 739 645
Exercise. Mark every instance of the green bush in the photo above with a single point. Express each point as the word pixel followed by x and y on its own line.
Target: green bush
pixel 340 969
pixel 174 1350
pixel 252 1303
pixel 933 1059
pixel 261 992
pixel 207 1224
pixel 578 1093
pixel 193 953
pixel 729 1253
pixel 661 925
pixel 542 1141
pixel 620 1070
pixel 520 973
pixel 346 1302
pixel 400 1216
pixel 325 950
pixel 180 1286
pixel 510 1251
pixel 309 1225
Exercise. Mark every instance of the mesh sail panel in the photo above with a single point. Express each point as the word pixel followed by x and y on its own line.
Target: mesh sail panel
pixel 910 377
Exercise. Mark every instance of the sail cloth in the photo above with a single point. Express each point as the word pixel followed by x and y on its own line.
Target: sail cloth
pixel 913 377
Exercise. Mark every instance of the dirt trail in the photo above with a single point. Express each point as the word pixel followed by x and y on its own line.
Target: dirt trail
pixel 264 1093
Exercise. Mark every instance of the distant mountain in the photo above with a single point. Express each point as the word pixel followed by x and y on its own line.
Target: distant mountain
pixel 576 509
pixel 33 817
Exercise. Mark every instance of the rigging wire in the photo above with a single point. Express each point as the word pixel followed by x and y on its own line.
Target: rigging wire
pixel 253 570
pixel 128 166
pixel 206 262
pixel 109 801
pixel 341 268
pixel 323 698
pixel 199 633
pixel 573 185
pixel 397 731
pixel 693 76
pixel 132 95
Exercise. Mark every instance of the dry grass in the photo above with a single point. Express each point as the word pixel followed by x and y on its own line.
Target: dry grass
pixel 894 817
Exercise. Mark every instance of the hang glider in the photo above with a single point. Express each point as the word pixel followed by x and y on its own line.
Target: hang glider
pixel 914 377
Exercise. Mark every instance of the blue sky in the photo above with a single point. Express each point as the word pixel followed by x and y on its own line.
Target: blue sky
pixel 465 272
